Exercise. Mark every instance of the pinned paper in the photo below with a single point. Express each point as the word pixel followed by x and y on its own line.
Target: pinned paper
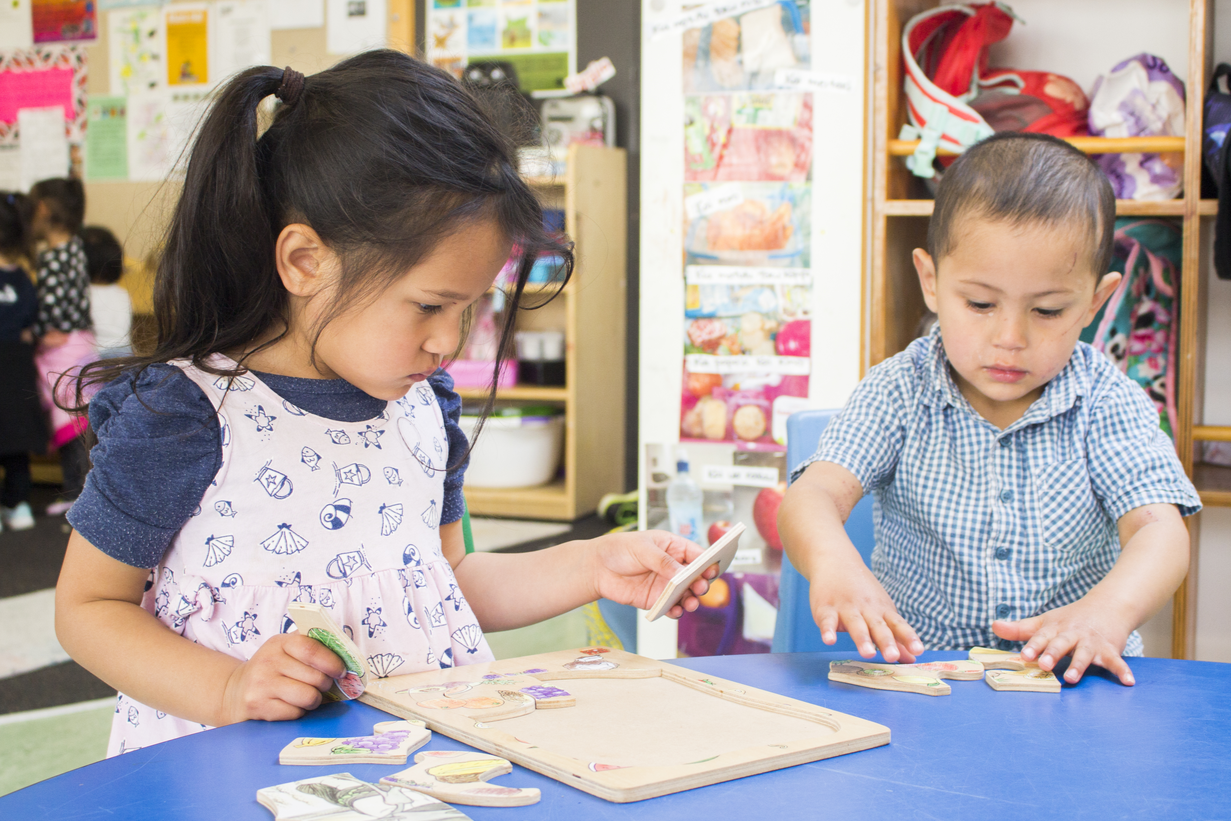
pixel 591 77
pixel 136 50
pixel 187 28
pixel 355 25
pixel 106 147
pixel 784 365
pixel 718 198
pixel 16 25
pixel 804 80
pixel 44 147
pixel 296 14
pixel 63 21
pixel 241 36
pixel 705 15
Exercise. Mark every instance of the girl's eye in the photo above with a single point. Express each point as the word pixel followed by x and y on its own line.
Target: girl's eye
pixel 979 306
pixel 430 309
pixel 1049 313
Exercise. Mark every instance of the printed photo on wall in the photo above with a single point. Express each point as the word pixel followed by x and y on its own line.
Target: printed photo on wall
pixel 743 52
pixel 748 136
pixel 750 223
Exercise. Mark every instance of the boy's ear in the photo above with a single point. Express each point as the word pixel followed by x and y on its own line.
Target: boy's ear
pixel 926 268
pixel 305 263
pixel 1102 292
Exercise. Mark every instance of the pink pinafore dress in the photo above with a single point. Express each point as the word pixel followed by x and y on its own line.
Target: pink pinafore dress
pixel 343 514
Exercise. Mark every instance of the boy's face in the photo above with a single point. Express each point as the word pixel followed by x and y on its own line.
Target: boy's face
pixel 1011 301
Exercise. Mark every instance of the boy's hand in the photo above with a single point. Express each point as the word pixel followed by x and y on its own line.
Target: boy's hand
pixel 847 597
pixel 634 568
pixel 283 680
pixel 1082 628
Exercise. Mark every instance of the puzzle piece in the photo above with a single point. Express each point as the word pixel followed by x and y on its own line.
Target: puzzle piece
pixel 460 777
pixel 720 552
pixel 342 797
pixel 495 697
pixel 922 678
pixel 315 622
pixel 1009 671
pixel 391 742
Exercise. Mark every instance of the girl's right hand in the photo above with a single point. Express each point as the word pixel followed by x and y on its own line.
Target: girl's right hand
pixel 283 680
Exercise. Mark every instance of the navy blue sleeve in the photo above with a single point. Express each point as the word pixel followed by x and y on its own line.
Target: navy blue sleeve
pixel 451 406
pixel 159 447
pixel 27 300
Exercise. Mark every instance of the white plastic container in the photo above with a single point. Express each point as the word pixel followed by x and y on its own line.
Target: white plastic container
pixel 514 451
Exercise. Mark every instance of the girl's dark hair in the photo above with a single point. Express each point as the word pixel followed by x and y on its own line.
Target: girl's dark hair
pixel 104 257
pixel 1023 179
pixel 15 211
pixel 382 155
pixel 65 200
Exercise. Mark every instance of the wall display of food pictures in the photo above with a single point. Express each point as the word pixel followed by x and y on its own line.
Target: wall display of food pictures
pixel 538 37
pixel 747 50
pixel 748 136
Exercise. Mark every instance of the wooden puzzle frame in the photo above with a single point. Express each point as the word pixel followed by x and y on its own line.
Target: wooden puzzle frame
pixel 623 702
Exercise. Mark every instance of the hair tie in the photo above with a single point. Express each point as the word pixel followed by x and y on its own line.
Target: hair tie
pixel 291 86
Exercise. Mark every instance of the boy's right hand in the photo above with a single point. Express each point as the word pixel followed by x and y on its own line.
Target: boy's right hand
pixel 847 597
pixel 284 679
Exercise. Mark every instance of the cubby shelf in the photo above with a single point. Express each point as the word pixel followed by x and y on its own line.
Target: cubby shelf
pixel 1089 145
pixel 518 393
pixel 1124 208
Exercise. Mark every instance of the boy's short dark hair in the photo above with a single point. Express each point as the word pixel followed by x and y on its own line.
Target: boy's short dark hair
pixel 65 200
pixel 103 254
pixel 1022 179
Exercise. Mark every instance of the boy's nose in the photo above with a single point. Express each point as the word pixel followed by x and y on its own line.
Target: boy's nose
pixel 1010 332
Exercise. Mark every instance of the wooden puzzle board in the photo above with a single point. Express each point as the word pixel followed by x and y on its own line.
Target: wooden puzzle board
pixel 640 728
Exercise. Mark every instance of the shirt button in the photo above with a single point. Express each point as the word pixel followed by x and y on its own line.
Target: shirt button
pixel 1002 553
pixel 1005 441
pixel 1006 495
pixel 1003 610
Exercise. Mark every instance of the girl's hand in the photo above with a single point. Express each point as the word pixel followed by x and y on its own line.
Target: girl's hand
pixel 283 680
pixel 635 568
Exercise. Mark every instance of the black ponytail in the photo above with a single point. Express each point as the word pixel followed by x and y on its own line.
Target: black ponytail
pixel 15 240
pixel 382 155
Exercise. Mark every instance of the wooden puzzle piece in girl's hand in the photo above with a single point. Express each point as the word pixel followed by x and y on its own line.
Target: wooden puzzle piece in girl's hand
pixel 342 797
pixel 460 777
pixel 315 622
pixel 1009 671
pixel 720 553
pixel 391 742
pixel 922 678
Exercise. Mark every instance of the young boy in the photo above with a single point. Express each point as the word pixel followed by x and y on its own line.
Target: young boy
pixel 1024 489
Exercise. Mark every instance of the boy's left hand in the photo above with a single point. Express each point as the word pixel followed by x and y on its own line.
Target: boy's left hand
pixel 1082 628
pixel 634 568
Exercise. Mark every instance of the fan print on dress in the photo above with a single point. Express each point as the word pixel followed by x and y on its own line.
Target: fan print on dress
pixel 234 383
pixel 218 548
pixel 431 516
pixel 334 516
pixel 393 477
pixel 285 541
pixel 382 664
pixel 371 437
pixel 224 508
pixel 264 422
pixel 469 636
pixel 310 458
pixel 275 482
pixel 390 518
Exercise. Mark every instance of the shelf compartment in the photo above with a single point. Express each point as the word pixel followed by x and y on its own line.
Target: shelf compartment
pixel 1124 208
pixel 549 501
pixel 1088 145
pixel 522 393
pixel 1212 433
pixel 1213 484
pixel 545 182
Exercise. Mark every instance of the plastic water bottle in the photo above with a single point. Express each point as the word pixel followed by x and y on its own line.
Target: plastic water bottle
pixel 684 501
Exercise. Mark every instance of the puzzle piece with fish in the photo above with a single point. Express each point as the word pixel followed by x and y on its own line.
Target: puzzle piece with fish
pixel 391 742
pixel 315 622
pixel 460 777
pixel 922 678
pixel 1009 671
pixel 342 797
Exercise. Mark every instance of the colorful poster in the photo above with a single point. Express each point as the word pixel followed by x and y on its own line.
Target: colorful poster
pixel 16 25
pixel 160 129
pixel 536 36
pixel 748 136
pixel 355 25
pixel 40 77
pixel 135 50
pixel 745 51
pixel 748 223
pixel 187 34
pixel 106 147
pixel 63 21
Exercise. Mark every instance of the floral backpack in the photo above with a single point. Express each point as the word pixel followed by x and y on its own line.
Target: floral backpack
pixel 1136 329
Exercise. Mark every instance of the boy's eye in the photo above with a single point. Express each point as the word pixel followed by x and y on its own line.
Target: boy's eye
pixel 979 306
pixel 1050 313
pixel 430 309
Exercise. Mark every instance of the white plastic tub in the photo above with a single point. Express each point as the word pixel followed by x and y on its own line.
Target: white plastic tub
pixel 514 451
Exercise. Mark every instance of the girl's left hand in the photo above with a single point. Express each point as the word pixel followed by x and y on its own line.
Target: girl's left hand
pixel 634 568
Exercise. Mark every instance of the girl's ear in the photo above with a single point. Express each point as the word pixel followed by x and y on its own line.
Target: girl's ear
pixel 305 263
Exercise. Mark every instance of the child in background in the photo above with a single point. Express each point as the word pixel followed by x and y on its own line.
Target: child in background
pixel 22 428
pixel 65 338
pixel 111 308
pixel 292 437
pixel 1024 490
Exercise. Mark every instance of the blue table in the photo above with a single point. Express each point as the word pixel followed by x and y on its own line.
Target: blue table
pixel 1161 749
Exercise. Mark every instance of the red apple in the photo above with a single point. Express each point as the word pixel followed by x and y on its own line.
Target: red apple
pixel 765 514
pixel 718 530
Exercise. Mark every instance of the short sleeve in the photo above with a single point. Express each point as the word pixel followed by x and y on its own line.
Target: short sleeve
pixel 159 447
pixel 1132 461
pixel 451 407
pixel 866 436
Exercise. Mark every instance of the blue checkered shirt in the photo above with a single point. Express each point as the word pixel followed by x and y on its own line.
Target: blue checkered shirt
pixel 974 523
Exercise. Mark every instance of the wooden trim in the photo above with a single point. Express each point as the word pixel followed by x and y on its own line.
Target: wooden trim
pixel 1213 483
pixel 1124 208
pixel 1212 433
pixel 517 393
pixel 401 26
pixel 1089 145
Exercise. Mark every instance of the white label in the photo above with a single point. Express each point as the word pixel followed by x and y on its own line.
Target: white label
pixel 804 80
pixel 719 198
pixel 705 15
pixel 741 275
pixel 739 475
pixel 784 365
pixel 748 556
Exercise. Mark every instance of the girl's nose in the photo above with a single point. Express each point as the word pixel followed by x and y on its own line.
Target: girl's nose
pixel 443 336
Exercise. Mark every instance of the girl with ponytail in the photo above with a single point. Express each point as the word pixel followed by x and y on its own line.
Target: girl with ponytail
pixel 291 437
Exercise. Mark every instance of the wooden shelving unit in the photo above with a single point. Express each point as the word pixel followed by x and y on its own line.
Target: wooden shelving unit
pixel 593 195
pixel 900 212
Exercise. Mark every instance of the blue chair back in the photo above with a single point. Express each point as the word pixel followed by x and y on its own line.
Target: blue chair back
pixel 795 630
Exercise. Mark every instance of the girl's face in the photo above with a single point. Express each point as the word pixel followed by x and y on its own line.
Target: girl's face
pixel 386 345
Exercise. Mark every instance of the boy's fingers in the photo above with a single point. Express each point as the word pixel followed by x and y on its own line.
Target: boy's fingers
pixel 1057 648
pixel 885 641
pixel 905 634
pixel 1016 630
pixel 858 630
pixel 827 621
pixel 1119 667
pixel 1082 657
pixel 905 656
